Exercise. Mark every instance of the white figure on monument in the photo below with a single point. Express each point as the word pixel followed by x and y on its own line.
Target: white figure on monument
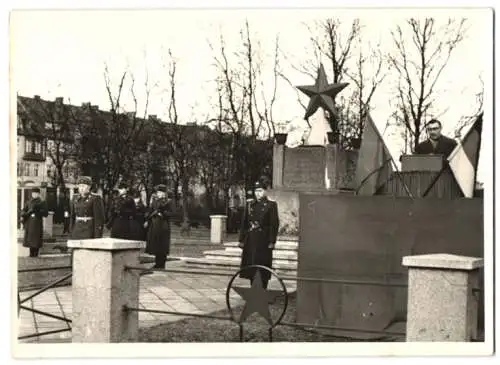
pixel 319 128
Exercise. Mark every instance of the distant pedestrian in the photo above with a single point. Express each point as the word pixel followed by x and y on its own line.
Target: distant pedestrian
pixel 32 219
pixel 258 233
pixel 87 212
pixel 158 226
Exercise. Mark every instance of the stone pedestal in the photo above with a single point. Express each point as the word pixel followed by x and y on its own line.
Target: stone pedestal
pixel 217 228
pixel 278 165
pixel 48 225
pixel 101 289
pixel 441 303
pixel 331 151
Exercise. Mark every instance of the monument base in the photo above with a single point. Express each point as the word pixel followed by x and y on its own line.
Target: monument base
pixel 288 206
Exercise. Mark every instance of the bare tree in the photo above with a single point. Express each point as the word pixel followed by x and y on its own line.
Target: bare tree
pixel 330 41
pixel 366 82
pixel 467 120
pixel 181 143
pixel 422 51
pixel 327 38
pixel 106 147
pixel 245 111
pixel 147 168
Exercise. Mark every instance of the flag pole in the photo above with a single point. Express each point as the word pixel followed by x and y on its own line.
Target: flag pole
pixel 433 182
pixel 371 173
pixel 391 160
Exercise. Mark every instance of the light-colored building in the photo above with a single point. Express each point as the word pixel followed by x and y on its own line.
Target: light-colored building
pixel 31 166
pixel 34 165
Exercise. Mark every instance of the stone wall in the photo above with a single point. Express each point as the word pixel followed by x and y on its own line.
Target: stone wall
pixel 288 210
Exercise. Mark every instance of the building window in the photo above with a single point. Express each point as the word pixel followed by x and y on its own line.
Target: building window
pixel 27 169
pixel 38 147
pixel 66 171
pixel 19 172
pixel 35 169
pixel 28 146
pixel 33 147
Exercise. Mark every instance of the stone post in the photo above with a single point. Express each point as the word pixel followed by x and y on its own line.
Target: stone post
pixel 441 303
pixel 217 228
pixel 278 165
pixel 332 151
pixel 101 289
pixel 48 225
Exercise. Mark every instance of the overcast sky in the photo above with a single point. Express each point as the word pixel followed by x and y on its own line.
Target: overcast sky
pixel 62 53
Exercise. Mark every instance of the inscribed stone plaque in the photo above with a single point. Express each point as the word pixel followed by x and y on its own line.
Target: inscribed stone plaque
pixel 304 168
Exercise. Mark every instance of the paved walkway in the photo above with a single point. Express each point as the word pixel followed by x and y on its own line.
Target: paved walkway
pixel 190 293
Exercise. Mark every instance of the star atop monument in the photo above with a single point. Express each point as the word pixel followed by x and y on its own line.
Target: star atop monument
pixel 257 299
pixel 321 93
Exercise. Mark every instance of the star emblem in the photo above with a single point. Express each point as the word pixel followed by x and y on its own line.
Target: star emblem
pixel 257 299
pixel 321 93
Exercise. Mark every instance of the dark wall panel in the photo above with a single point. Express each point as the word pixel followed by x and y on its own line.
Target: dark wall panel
pixel 365 238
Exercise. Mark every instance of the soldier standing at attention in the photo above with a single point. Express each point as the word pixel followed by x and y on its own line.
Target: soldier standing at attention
pixel 87 212
pixel 158 225
pixel 32 218
pixel 258 234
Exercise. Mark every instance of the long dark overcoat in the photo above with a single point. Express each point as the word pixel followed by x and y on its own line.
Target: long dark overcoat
pixel 32 218
pixel 140 217
pixel 259 228
pixel 158 235
pixel 123 219
pixel 91 208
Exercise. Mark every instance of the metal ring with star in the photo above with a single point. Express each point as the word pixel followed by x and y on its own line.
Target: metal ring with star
pixel 266 296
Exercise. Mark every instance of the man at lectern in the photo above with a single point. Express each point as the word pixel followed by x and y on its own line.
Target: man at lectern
pixel 437 144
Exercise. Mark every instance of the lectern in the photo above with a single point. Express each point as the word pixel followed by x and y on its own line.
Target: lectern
pixel 421 173
pixel 431 163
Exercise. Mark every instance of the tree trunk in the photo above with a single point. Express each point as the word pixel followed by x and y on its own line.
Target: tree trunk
pixel 417 138
pixel 176 192
pixel 60 177
pixel 185 191
pixel 209 199
pixel 148 195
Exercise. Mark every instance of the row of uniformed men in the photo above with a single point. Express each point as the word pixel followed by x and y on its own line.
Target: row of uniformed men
pixel 129 219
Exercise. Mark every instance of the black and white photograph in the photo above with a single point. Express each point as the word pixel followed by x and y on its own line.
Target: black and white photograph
pixel 278 176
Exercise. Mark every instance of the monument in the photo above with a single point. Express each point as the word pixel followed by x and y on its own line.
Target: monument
pixel 348 235
pixel 358 241
pixel 320 164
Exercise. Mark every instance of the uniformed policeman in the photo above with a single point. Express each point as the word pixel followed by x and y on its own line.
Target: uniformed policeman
pixel 258 233
pixel 32 218
pixel 158 226
pixel 87 212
